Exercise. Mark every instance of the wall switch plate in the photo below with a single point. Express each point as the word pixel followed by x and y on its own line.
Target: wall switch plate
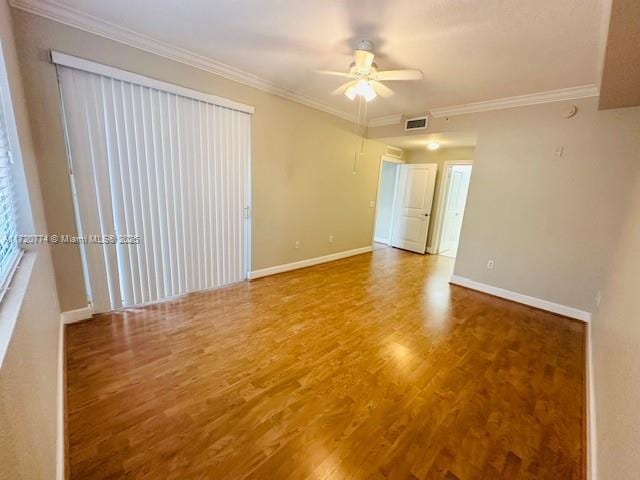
pixel 559 151
pixel 330 238
pixel 372 204
pixel 490 264
pixel 297 244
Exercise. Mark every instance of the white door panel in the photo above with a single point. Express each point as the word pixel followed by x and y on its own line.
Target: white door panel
pixel 415 193
pixel 459 178
pixel 413 206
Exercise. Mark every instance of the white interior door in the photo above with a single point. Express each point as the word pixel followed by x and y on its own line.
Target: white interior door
pixel 414 198
pixel 384 204
pixel 459 178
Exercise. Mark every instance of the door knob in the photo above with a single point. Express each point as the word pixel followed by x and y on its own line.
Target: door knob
pixel 426 214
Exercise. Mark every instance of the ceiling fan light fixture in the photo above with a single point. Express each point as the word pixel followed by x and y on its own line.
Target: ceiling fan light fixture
pixel 365 78
pixel 363 89
pixel 351 92
pixel 433 146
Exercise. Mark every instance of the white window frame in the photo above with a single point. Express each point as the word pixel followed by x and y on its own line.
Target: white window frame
pixel 13 287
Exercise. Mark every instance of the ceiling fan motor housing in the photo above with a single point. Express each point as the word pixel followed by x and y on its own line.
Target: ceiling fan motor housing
pixel 362 72
pixel 366 45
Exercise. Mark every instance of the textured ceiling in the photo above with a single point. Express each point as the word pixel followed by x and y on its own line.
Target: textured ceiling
pixel 469 50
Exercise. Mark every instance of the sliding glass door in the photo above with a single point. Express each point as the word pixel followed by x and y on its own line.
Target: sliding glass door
pixel 161 184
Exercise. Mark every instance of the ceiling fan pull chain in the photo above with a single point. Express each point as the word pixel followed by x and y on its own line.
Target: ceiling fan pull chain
pixel 357 133
pixel 364 125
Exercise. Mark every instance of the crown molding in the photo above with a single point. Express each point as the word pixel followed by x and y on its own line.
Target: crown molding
pixel 560 95
pixel 74 18
pixel 394 119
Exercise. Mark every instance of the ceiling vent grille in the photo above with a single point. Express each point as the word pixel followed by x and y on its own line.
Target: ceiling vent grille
pixel 394 152
pixel 416 123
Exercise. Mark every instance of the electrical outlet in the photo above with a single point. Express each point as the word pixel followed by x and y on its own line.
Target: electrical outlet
pixel 297 244
pixel 330 238
pixel 490 264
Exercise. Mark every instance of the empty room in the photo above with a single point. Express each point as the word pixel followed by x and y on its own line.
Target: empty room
pixel 345 239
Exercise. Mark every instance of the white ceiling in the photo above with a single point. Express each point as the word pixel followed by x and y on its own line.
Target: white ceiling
pixel 469 50
pixel 445 139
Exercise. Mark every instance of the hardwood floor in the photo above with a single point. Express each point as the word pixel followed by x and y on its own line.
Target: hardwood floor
pixel 369 367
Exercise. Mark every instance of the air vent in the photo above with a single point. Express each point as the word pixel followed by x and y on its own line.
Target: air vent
pixel 416 123
pixel 393 152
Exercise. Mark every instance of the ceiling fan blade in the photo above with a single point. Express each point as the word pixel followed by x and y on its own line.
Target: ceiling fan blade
pixel 399 75
pixel 381 89
pixel 335 74
pixel 364 59
pixel 343 88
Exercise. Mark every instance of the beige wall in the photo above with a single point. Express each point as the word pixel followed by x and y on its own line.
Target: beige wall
pixel 620 85
pixel 28 384
pixel 303 186
pixel 422 155
pixel 549 223
pixel 616 364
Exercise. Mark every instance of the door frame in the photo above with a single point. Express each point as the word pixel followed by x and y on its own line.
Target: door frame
pixel 399 161
pixel 434 249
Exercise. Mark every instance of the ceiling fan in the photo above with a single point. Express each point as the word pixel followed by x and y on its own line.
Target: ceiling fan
pixel 366 78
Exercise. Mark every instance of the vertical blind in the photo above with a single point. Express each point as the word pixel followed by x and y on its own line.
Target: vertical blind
pixel 161 188
pixel 9 251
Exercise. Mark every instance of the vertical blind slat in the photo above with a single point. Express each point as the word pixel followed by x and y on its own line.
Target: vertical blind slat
pixel 131 283
pixel 115 184
pixel 142 191
pixel 103 168
pixel 172 202
pixel 132 188
pixel 181 227
pixel 218 194
pixel 225 192
pixel 151 172
pixel 210 218
pixel 204 258
pixel 88 140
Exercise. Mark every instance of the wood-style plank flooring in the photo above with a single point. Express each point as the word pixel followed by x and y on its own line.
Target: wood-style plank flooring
pixel 371 367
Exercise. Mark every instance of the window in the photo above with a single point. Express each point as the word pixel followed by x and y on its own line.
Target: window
pixel 9 251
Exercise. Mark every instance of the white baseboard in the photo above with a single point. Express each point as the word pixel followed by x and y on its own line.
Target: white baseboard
pixel 60 440
pixel 432 250
pixel 592 469
pixel 72 316
pixel 263 272
pixel 521 298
